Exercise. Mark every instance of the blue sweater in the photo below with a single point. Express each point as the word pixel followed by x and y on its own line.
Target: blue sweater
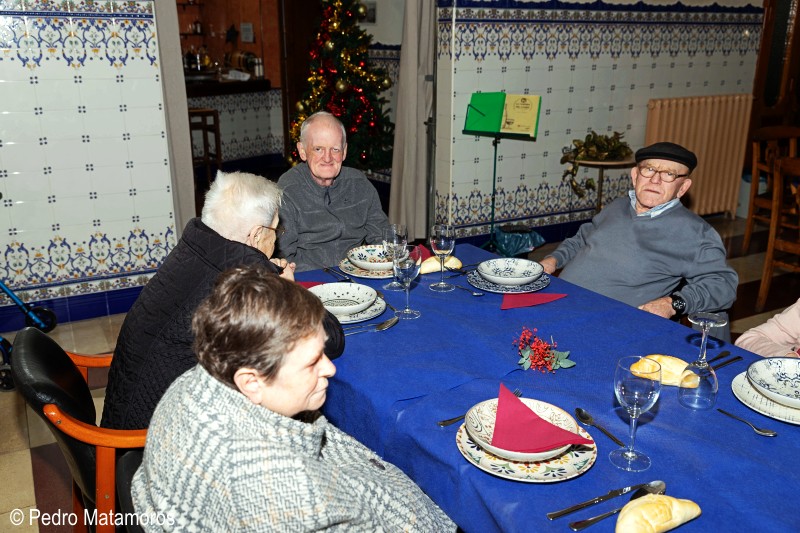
pixel 638 259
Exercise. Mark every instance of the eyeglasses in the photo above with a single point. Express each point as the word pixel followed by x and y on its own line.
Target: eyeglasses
pixel 278 231
pixel 665 175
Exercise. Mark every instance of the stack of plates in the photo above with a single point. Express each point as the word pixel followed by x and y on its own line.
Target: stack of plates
pixel 509 275
pixel 368 261
pixel 566 462
pixel 771 386
pixel 350 302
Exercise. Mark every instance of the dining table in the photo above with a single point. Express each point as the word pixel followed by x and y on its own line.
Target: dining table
pixel 391 387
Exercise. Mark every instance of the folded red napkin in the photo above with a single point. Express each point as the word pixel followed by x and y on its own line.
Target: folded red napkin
pixel 424 252
pixel 518 429
pixel 527 299
pixel 309 284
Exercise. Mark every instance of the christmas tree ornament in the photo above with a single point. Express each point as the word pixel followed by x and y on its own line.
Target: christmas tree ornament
pixel 329 46
pixel 299 106
pixel 341 86
pixel 361 9
pixel 386 83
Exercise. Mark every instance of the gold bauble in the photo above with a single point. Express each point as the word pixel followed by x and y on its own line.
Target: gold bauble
pixel 335 25
pixel 386 83
pixel 341 86
pixel 299 106
pixel 361 9
pixel 329 46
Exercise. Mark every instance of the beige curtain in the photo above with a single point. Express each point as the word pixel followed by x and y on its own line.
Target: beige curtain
pixel 415 91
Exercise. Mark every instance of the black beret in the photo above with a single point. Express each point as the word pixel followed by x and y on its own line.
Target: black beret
pixel 669 152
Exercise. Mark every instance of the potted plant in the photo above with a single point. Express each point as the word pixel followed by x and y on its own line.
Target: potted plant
pixel 594 147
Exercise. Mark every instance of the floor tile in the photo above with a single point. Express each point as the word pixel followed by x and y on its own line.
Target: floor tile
pixel 13 423
pixel 28 525
pixel 17 481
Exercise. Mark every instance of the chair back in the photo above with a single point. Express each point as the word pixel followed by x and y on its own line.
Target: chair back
pixel 44 374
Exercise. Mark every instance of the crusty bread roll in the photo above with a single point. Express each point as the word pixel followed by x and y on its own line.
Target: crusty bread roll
pixel 671 368
pixel 654 513
pixel 432 264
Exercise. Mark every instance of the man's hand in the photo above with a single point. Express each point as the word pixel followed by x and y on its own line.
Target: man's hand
pixel 660 306
pixel 288 268
pixel 549 264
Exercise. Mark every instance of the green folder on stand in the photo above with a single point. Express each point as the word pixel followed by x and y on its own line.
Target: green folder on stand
pixel 504 115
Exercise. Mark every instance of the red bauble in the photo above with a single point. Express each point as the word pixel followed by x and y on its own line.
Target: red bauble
pixel 371 124
pixel 363 156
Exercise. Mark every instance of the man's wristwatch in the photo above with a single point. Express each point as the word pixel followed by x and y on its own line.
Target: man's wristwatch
pixel 678 303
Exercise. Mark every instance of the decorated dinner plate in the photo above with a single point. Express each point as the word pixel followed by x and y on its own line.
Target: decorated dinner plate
pixel 373 311
pixel 479 282
pixel 370 257
pixel 480 421
pixel 345 298
pixel 748 395
pixel 577 460
pixel 352 270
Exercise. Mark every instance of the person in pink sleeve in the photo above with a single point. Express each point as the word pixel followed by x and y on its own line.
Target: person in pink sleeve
pixel 777 337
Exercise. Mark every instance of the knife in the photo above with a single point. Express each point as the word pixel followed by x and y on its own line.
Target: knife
pixel 726 363
pixel 587 503
pixel 723 354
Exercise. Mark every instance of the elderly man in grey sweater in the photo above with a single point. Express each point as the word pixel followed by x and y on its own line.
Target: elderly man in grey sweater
pixel 648 250
pixel 327 208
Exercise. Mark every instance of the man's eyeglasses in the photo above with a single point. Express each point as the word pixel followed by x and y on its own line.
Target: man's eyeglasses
pixel 278 231
pixel 665 175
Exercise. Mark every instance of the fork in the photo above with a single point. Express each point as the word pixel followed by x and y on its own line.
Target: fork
pixel 449 421
pixel 336 274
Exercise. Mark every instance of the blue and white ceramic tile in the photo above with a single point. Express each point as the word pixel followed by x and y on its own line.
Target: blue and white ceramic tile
pixel 594 70
pixel 83 162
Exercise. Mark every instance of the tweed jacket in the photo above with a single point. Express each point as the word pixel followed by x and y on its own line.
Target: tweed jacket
pixel 214 461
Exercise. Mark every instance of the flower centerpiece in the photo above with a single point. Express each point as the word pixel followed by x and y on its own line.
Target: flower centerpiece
pixel 537 353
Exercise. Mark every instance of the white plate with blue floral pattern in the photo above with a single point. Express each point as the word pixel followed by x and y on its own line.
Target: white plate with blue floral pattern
pixel 777 378
pixel 375 310
pixel 475 279
pixel 352 270
pixel 370 257
pixel 749 395
pixel 568 465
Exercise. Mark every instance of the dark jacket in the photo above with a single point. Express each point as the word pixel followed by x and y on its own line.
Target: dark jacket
pixel 155 343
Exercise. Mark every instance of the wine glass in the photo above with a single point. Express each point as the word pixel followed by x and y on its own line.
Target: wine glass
pixel 406 268
pixel 699 384
pixel 395 240
pixel 637 391
pixel 443 240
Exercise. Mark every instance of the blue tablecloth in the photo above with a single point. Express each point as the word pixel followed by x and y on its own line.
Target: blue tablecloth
pixel 392 387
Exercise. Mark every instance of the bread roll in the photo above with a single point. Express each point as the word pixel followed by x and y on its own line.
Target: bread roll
pixel 654 513
pixel 432 264
pixel 671 368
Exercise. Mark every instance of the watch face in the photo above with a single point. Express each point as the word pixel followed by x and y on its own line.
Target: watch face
pixel 678 303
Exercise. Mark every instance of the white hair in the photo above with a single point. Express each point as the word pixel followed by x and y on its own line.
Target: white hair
pixel 319 115
pixel 237 201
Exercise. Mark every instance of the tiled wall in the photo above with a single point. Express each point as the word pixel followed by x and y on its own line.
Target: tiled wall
pixel 87 205
pixel 595 69
pixel 251 124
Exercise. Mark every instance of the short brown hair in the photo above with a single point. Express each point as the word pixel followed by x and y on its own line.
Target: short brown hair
pixel 252 319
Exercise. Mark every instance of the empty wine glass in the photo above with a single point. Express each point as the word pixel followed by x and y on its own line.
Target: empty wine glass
pixel 637 391
pixel 406 268
pixel 699 384
pixel 443 240
pixel 395 240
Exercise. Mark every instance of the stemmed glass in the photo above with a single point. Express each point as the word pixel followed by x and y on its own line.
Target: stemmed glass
pixel 637 391
pixel 395 240
pixel 443 240
pixel 699 384
pixel 406 268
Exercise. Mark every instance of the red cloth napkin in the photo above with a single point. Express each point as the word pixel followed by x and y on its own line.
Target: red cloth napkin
pixel 309 284
pixel 424 252
pixel 518 429
pixel 527 299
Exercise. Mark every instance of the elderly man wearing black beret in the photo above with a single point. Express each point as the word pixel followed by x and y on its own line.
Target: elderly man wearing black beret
pixel 647 249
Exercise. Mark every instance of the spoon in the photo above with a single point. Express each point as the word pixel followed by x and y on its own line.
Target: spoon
pixel 654 487
pixel 761 431
pixel 383 326
pixel 474 293
pixel 586 419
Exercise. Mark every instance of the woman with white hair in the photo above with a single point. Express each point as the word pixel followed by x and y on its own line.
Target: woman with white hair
pixel 238 226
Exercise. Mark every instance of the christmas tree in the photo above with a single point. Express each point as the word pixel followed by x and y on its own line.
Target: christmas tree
pixel 342 82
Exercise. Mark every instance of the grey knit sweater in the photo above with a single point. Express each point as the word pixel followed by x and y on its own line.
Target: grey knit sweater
pixel 216 462
pixel 638 259
pixel 322 223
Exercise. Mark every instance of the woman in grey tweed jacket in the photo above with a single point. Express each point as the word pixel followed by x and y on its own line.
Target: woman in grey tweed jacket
pixel 226 449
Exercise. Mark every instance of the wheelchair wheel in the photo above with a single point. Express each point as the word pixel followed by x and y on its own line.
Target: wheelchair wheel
pixel 6 381
pixel 45 315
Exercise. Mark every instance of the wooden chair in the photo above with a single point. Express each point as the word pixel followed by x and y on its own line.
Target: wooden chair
pixel 769 144
pixel 206 123
pixel 783 249
pixel 53 383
